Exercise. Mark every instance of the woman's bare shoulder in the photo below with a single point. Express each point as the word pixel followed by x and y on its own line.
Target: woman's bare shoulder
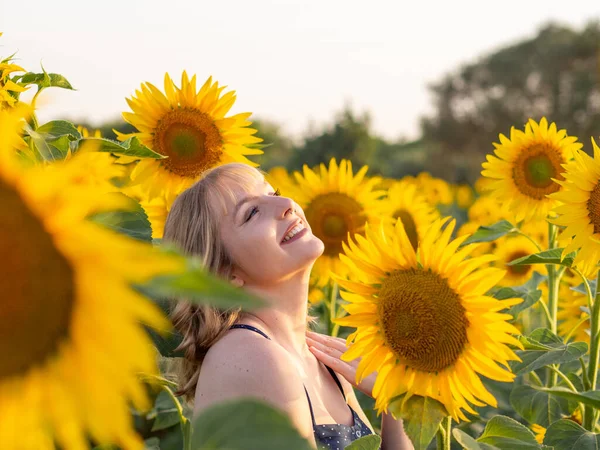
pixel 244 364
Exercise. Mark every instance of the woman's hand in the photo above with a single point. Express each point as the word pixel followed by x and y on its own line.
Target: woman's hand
pixel 328 350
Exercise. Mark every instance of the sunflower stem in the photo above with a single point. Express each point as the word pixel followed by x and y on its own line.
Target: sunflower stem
pixel 183 421
pixel 520 233
pixel 590 418
pixel 333 328
pixel 444 434
pixel 553 282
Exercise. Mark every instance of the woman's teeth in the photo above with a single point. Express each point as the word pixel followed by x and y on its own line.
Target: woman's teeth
pixel 297 229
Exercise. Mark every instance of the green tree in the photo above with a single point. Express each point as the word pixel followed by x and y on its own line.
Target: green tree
pixel 280 147
pixel 349 137
pixel 555 74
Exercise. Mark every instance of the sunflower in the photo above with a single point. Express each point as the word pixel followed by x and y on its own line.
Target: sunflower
pixel 487 211
pixel 423 320
pixel 336 203
pixel 464 196
pixel 9 90
pixel 85 133
pixel 436 190
pixel 570 313
pixel 279 178
pixel 190 129
pixel 157 211
pixel 509 249
pixel 70 335
pixel 526 166
pixel 579 212
pixel 416 213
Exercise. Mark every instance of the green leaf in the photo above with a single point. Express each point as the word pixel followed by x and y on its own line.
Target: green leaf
pixel 132 222
pixel 568 435
pixel 591 398
pixel 469 443
pixel 545 348
pixel 421 418
pixel 45 80
pixel 528 292
pixel 508 434
pixel 130 147
pixel 536 406
pixel 371 442
pixel 491 233
pixel 243 425
pixel 57 128
pixel 152 444
pixel 166 414
pixel 46 153
pixel 581 287
pixel 198 286
pixel 546 257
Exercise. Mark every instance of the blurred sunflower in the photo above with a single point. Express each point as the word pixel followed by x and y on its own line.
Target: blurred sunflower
pixel 423 320
pixel 580 209
pixel 157 211
pixel 435 190
pixel 410 206
pixel 189 127
pixel 525 166
pixel 487 211
pixel 71 352
pixel 336 202
pixel 85 133
pixel 279 178
pixel 464 196
pixel 573 321
pixel 510 248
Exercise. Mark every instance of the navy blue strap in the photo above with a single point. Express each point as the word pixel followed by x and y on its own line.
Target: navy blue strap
pixel 249 327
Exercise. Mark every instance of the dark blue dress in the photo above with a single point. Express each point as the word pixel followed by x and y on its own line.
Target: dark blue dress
pixel 334 436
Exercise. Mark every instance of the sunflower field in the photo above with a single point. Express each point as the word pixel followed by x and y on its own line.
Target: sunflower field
pixel 478 307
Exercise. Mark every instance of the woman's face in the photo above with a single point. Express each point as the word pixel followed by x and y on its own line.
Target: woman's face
pixel 256 232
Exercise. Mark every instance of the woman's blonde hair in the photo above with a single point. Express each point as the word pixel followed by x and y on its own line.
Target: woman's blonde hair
pixel 193 226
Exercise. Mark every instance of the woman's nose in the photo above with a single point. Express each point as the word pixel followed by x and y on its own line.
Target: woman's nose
pixel 286 206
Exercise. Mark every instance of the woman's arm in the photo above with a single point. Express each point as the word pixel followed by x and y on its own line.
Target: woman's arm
pixel 393 435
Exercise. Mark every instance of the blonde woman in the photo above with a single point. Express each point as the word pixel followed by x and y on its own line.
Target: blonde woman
pixel 245 232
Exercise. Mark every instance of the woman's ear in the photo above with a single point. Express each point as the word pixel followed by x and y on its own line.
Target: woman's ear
pixel 236 281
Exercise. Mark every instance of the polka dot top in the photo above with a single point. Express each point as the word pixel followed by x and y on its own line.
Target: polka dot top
pixel 334 436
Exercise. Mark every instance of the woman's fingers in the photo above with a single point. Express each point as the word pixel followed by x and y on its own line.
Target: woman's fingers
pixel 336 364
pixel 335 342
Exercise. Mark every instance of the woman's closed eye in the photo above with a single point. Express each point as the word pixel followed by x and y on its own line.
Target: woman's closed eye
pixel 254 209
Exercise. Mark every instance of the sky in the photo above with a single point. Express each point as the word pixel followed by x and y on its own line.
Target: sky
pixel 295 62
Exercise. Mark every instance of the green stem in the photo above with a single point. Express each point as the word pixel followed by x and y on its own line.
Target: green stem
pixel 520 233
pixel 536 378
pixel 584 376
pixel 553 282
pixel 334 328
pixel 581 322
pixel 590 417
pixel 445 433
pixel 183 421
pixel 546 311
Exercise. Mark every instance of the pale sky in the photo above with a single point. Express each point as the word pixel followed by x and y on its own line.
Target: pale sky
pixel 290 61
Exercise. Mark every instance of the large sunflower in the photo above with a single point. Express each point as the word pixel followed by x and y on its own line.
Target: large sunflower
pixel 580 209
pixel 509 249
pixel 336 203
pixel 526 165
pixel 423 320
pixel 410 206
pixel 189 127
pixel 70 338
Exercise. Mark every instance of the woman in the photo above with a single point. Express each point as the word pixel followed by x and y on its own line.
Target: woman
pixel 247 233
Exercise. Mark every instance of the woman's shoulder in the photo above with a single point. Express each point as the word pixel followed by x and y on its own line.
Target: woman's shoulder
pixel 242 365
pixel 246 363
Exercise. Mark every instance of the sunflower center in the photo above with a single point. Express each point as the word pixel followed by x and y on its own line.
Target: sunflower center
pixel 534 169
pixel 332 216
pixel 593 207
pixel 36 286
pixel 423 320
pixel 190 139
pixel 518 270
pixel 409 226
